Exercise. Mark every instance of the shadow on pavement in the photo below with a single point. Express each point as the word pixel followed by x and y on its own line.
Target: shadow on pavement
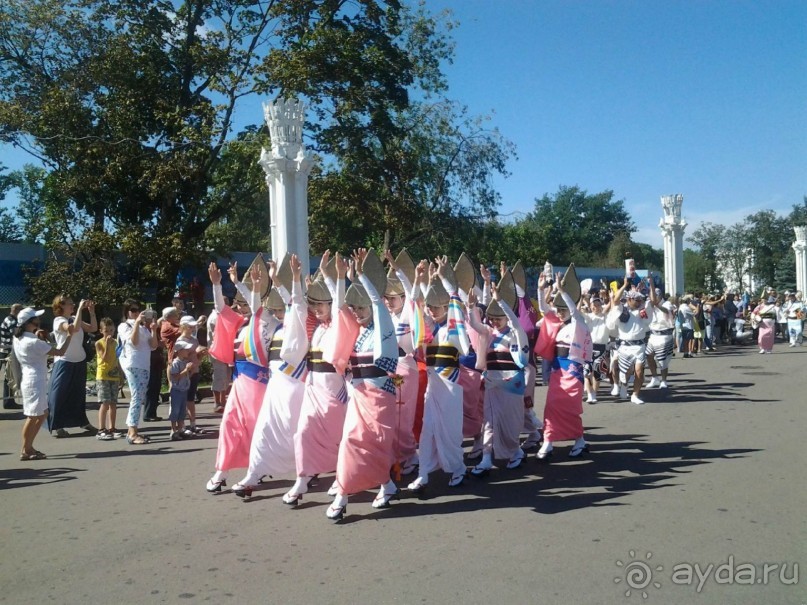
pixel 28 477
pixel 617 466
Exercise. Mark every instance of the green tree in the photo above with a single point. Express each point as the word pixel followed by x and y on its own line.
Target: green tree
pixel 575 226
pixel 697 271
pixel 770 237
pixel 9 229
pixel 798 215
pixel 429 185
pixel 785 277
pixel 77 91
pixel 708 238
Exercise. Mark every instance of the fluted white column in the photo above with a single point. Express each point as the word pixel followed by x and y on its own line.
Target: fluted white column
pixel 287 166
pixel 672 228
pixel 800 246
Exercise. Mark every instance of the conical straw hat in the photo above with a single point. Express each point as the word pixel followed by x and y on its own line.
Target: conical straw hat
pixel 264 282
pixel 507 292
pixel 284 275
pixel 436 295
pixel 356 296
pixel 519 277
pixel 406 264
pixel 571 284
pixel 373 270
pixel 465 273
pixel 274 300
pixel 318 292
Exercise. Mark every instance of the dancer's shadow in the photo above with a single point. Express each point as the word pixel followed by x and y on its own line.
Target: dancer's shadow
pixel 618 466
pixel 27 477
pixel 142 450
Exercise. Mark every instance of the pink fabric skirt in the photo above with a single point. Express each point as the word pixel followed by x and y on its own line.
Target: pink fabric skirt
pixel 366 452
pixel 564 404
pixel 504 418
pixel 767 332
pixel 238 423
pixel 319 431
pixel 473 402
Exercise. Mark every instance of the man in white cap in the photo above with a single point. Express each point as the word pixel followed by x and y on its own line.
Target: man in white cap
pixel 632 320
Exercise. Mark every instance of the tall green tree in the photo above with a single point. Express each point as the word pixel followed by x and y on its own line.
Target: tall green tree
pixel 708 238
pixel 570 226
pixel 129 105
pixel 770 237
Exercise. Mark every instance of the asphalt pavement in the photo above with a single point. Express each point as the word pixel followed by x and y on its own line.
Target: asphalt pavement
pixel 697 497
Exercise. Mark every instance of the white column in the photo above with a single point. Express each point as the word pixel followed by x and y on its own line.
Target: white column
pixel 287 166
pixel 800 246
pixel 672 227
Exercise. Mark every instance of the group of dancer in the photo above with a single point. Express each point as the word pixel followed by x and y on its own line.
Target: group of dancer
pixel 387 377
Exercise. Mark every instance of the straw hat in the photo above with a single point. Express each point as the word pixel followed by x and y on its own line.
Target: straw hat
pixel 507 292
pixel 436 295
pixel 264 284
pixel 571 284
pixel 465 273
pixel 274 301
pixel 318 292
pixel 373 270
pixel 284 276
pixel 406 264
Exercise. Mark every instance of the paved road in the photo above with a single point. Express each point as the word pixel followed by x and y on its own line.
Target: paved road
pixel 710 473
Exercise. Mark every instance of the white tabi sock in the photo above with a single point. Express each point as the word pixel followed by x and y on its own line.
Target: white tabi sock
pixel 301 485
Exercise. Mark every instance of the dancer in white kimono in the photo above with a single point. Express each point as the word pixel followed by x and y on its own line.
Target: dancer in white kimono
pixel 272 449
pixel 441 437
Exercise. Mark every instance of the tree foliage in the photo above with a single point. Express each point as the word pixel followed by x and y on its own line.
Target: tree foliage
pixel 129 105
pixel 569 226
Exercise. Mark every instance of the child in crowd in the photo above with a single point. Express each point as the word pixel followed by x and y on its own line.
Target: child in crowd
pixel 108 377
pixel 179 373
pixel 187 330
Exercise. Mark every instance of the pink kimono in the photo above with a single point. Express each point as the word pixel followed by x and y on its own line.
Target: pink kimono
pixel 367 449
pixel 564 399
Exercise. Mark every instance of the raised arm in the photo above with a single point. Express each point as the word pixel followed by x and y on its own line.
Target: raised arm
pixel 215 279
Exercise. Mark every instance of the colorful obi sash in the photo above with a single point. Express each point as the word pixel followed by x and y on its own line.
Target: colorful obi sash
pixel 250 370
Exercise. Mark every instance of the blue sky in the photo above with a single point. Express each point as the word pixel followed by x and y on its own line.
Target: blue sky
pixel 703 98
pixel 707 99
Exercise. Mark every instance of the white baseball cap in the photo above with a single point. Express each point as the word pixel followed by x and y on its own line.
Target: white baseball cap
pixel 27 314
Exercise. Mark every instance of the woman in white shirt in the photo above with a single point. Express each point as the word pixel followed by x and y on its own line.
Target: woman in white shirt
pixel 138 335
pixel 32 350
pixel 67 398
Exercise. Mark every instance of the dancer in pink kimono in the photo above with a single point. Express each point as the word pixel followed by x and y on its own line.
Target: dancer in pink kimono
pixel 504 346
pixel 402 310
pixel 441 436
pixel 322 416
pixel 272 450
pixel 565 340
pixel 366 452
pixel 765 314
pixel 244 343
